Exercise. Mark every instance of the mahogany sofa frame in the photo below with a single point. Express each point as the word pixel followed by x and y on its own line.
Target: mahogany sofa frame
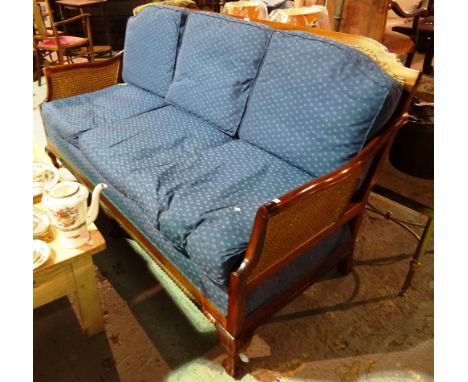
pixel 283 228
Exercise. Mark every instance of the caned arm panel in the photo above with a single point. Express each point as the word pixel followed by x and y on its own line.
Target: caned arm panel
pixel 75 79
pixel 297 223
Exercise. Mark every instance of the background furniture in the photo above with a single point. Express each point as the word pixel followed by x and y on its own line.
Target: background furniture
pixel 92 7
pixel 412 155
pixel 412 151
pixel 251 10
pixel 423 239
pixel 354 17
pixel 70 271
pixel 303 16
pixel 421 31
pixel 49 40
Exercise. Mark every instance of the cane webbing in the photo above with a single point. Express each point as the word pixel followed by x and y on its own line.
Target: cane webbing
pixel 68 83
pixel 289 229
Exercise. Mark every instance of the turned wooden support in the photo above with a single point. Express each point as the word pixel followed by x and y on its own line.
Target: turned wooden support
pixel 233 345
pixel 53 158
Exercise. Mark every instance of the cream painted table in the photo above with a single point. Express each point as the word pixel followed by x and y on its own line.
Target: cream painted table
pixel 70 271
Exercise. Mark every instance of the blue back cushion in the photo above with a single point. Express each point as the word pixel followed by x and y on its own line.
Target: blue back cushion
pixel 316 101
pixel 151 42
pixel 217 63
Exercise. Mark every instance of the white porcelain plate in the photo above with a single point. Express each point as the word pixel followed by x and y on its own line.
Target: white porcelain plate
pixel 44 177
pixel 40 222
pixel 41 253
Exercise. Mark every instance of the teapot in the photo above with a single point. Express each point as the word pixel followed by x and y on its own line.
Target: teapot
pixel 66 203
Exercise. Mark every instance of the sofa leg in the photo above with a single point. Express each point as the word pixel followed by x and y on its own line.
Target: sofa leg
pixel 53 158
pixel 232 363
pixel 345 266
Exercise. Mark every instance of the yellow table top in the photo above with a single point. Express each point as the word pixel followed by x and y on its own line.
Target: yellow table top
pixel 59 254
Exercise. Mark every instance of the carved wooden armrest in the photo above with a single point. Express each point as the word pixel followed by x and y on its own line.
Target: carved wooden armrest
pixel 284 228
pixel 421 11
pixel 71 80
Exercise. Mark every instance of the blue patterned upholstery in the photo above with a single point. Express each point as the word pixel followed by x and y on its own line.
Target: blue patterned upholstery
pixel 72 116
pixel 216 293
pixel 155 138
pixel 151 42
pixel 315 101
pixel 217 63
pixel 177 171
pixel 206 204
pixel 127 207
pixel 284 278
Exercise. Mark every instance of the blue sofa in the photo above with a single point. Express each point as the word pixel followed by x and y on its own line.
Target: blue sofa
pixel 237 154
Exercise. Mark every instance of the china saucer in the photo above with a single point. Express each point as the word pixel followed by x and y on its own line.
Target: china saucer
pixel 40 223
pixel 41 253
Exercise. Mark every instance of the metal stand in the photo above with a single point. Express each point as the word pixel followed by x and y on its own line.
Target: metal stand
pixel 423 240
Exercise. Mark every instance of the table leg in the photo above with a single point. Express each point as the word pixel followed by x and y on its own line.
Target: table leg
pixel 106 22
pixel 421 249
pixel 87 296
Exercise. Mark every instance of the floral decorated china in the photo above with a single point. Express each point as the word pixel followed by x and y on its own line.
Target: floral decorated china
pixel 44 177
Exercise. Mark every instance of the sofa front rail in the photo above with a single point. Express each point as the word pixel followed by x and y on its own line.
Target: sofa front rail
pixel 75 79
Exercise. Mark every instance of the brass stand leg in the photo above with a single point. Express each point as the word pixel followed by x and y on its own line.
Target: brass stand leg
pixel 422 245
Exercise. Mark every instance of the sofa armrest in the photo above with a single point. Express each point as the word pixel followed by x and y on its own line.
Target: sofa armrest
pixel 71 80
pixel 284 228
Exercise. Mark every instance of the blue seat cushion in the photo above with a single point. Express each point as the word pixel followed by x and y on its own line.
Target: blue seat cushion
pixel 155 138
pixel 206 204
pixel 216 293
pixel 217 63
pixel 71 117
pixel 151 42
pixel 316 102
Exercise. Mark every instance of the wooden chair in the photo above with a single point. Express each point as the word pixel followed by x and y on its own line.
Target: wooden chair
pixel 405 43
pixel 369 18
pixel 421 32
pixel 48 39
